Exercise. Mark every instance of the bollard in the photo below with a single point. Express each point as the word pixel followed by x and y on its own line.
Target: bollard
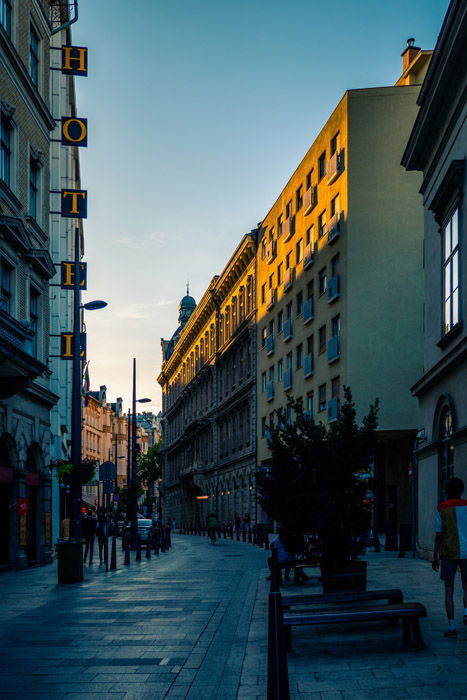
pixel 278 678
pixel 249 536
pixel 127 553
pixel 157 539
pixel 244 536
pixel 237 530
pixel 138 548
pixel 148 548
pixel 225 532
pixel 113 555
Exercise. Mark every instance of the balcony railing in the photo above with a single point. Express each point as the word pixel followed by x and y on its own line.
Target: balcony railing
pixel 334 228
pixel 269 344
pixel 308 256
pixel 334 352
pixel 288 279
pixel 270 390
pixel 308 366
pixel 335 166
pixel 333 288
pixel 287 379
pixel 288 329
pixel 270 298
pixel 289 228
pixel 333 410
pixel 308 311
pixel 310 199
pixel 270 252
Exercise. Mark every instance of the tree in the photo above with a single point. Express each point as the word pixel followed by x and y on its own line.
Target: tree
pixel 149 466
pixel 313 484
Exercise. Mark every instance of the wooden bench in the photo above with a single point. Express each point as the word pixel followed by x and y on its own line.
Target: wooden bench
pixel 392 595
pixel 409 613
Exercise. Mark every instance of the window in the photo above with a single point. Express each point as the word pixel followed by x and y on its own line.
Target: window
pixel 279 226
pixel 263 427
pixel 288 259
pixel 299 356
pixel 299 198
pixel 6 281
pixel 263 249
pixel 264 333
pixel 263 382
pixel 309 290
pixel 336 327
pixel 335 266
pixel 334 143
pixel 271 234
pixel 34 56
pixel 6 138
pixel 288 209
pixel 271 327
pixel 322 339
pixel 322 397
pixel 451 272
pixel 271 280
pixel 5 15
pixel 322 166
pixel 309 345
pixel 308 180
pixel 271 373
pixel 280 370
pixel 288 361
pixel 263 293
pixel 322 224
pixel 322 281
pixel 34 318
pixel 310 232
pixel 288 310
pixel 288 414
pixel 309 403
pixel 299 251
pixel 299 303
pixel 34 176
pixel 335 205
pixel 279 273
pixel 280 321
pixel 335 388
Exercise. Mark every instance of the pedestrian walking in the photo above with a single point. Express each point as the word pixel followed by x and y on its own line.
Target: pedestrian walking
pixel 101 532
pixel 212 524
pixel 89 526
pixel 450 547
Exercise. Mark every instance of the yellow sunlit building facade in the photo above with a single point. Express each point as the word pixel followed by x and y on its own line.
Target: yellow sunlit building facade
pixel 339 280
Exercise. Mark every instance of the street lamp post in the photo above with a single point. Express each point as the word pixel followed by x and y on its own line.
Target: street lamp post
pixel 76 399
pixel 133 473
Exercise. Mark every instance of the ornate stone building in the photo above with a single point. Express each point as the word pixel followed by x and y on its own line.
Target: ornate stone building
pixel 209 397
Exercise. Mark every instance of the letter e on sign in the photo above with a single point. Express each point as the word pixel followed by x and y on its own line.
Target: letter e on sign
pixel 68 275
pixel 75 60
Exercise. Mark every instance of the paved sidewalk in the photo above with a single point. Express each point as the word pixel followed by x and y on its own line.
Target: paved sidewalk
pixel 193 624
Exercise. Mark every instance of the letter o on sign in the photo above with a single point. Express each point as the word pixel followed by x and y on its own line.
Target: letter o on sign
pixel 74 131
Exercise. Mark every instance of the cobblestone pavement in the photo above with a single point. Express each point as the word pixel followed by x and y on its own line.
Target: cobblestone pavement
pixel 193 624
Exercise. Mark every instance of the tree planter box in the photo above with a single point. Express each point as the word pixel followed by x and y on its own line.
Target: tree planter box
pixel 344 577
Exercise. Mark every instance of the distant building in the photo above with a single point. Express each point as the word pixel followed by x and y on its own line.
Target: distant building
pixel 438 148
pixel 208 397
pixel 26 267
pixel 339 281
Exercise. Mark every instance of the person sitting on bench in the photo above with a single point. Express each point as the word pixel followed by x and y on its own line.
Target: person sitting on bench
pixel 286 560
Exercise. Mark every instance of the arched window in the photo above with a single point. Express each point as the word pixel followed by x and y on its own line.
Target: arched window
pixel 444 426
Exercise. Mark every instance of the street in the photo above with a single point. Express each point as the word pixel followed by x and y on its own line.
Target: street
pixel 192 624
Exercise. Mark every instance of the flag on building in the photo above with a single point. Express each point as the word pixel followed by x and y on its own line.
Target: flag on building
pixel 86 384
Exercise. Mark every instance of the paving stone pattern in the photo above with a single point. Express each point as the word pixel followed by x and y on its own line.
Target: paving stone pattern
pixel 192 624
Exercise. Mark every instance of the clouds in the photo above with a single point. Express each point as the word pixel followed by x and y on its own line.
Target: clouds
pixel 142 310
pixel 155 239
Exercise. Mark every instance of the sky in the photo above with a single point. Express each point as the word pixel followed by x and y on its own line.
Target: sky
pixel 198 113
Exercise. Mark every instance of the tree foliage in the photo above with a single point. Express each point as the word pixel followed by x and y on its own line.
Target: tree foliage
pixel 313 484
pixel 149 466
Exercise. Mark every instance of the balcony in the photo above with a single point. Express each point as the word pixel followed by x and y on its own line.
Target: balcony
pixel 335 166
pixel 269 345
pixel 288 228
pixel 310 199
pixel 333 288
pixel 270 298
pixel 308 256
pixel 270 252
pixel 308 366
pixel 18 366
pixel 334 228
pixel 287 379
pixel 288 279
pixel 334 352
pixel 308 311
pixel 270 390
pixel 288 330
pixel 333 410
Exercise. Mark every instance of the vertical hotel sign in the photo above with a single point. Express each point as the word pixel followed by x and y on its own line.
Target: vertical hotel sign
pixel 73 203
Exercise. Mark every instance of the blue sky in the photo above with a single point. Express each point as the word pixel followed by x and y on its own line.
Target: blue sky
pixel 198 113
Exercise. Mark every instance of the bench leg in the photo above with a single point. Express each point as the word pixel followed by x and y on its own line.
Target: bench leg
pixel 417 634
pixel 287 630
pixel 406 634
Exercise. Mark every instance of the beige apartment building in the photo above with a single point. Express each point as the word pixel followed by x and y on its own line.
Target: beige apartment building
pixel 339 280
pixel 208 385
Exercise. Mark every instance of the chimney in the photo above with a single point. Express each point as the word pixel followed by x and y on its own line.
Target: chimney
pixel 409 54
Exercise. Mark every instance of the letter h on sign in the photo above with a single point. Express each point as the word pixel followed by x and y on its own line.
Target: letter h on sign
pixel 75 204
pixel 75 60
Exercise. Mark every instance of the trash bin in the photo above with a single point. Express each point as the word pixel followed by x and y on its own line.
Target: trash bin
pixel 70 560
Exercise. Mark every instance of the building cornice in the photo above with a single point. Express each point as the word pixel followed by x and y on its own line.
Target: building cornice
pixel 446 364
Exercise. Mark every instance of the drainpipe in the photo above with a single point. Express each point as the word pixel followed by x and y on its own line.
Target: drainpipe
pixel 73 4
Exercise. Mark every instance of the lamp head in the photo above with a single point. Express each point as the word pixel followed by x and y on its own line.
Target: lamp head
pixel 94 305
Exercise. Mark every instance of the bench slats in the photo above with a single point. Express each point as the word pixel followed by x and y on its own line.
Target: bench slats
pixel 392 595
pixel 378 612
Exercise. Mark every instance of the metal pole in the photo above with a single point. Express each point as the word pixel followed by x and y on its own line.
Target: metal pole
pixel 128 461
pixel 134 476
pixel 76 406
